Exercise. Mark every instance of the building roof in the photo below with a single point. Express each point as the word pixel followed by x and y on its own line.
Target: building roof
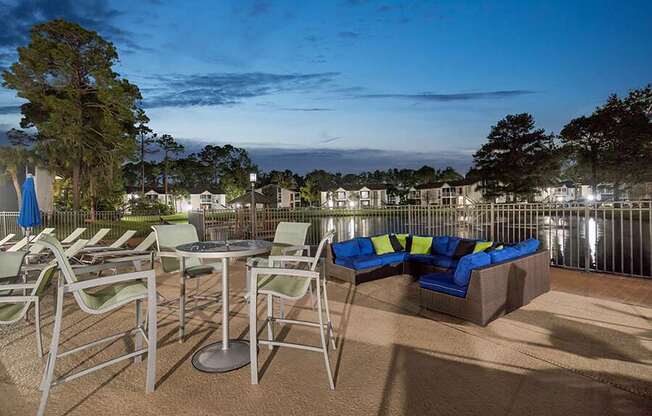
pixel 260 198
pixel 439 184
pixel 373 187
pixel 214 189
pixel 136 190
pixel 431 185
pixel 274 185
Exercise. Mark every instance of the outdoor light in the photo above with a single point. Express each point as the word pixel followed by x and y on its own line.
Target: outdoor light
pixel 252 179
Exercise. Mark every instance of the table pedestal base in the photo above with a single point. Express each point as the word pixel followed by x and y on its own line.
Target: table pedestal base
pixel 213 359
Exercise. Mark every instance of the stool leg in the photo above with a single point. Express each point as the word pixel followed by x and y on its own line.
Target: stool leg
pixel 270 315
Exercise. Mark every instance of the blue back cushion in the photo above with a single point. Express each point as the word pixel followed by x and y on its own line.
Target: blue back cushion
pixel 452 246
pixel 467 263
pixel 527 246
pixel 439 244
pixel 348 248
pixel 507 253
pixel 366 246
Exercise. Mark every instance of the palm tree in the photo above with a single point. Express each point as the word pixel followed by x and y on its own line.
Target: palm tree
pixel 12 159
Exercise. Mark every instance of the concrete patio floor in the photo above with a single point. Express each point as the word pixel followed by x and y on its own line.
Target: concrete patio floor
pixel 563 354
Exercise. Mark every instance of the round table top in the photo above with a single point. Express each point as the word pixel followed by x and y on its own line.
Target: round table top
pixel 224 249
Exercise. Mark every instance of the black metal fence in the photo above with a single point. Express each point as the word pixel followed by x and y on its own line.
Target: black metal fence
pixel 64 222
pixel 614 237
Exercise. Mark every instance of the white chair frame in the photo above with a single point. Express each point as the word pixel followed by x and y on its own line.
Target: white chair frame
pixel 326 330
pixel 68 284
pixel 28 300
pixel 184 299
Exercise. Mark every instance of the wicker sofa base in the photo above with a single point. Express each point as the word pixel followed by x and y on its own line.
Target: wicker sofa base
pixel 356 277
pixel 495 290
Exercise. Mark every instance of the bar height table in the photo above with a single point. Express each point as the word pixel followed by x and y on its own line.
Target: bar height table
pixel 228 354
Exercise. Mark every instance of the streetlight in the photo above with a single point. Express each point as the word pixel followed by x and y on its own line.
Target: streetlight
pixel 252 179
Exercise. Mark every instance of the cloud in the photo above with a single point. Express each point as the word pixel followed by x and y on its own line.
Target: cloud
pixel 259 8
pixel 98 15
pixel 227 88
pixel 309 109
pixel 463 96
pixel 353 160
pixel 330 140
pixel 348 34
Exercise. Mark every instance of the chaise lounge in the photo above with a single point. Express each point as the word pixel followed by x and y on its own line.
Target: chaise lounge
pixel 475 280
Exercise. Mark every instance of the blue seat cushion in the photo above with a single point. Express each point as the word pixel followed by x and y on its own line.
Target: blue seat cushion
pixel 366 246
pixel 391 258
pixel 349 248
pixel 507 253
pixel 527 246
pixel 439 244
pixel 345 261
pixel 435 260
pixel 452 246
pixel 442 283
pixel 368 262
pixel 466 265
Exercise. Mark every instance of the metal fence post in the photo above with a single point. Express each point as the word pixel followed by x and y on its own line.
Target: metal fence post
pixel 587 242
pixel 492 219
pixel 4 224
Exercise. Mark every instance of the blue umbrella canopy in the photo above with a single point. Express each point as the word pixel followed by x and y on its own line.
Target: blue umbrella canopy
pixel 30 215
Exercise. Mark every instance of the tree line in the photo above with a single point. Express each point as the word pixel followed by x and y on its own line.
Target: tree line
pixel 611 145
pixel 84 122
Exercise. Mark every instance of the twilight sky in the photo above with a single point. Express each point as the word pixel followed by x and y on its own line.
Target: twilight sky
pixel 356 85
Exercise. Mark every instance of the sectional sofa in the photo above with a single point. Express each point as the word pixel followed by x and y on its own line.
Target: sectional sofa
pixel 471 279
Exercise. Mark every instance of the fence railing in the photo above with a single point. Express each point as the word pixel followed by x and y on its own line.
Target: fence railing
pixel 64 222
pixel 614 237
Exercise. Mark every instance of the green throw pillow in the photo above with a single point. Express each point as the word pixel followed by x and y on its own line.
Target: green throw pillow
pixel 421 245
pixel 402 238
pixel 482 246
pixel 382 245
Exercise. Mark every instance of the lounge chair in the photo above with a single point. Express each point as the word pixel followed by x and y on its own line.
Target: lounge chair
pixel 116 245
pixel 73 236
pixel 95 240
pixel 27 240
pixel 136 256
pixel 6 239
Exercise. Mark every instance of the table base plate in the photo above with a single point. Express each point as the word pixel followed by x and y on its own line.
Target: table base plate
pixel 213 359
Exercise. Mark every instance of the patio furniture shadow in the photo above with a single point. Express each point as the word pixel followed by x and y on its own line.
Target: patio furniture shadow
pixel 581 337
pixel 428 382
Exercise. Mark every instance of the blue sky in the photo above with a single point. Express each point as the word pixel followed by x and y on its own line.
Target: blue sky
pixel 357 85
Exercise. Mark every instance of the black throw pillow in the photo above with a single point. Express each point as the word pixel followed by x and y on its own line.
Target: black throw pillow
pixel 396 245
pixel 408 243
pixel 464 247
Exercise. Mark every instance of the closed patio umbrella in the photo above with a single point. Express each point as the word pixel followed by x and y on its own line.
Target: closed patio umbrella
pixel 29 215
